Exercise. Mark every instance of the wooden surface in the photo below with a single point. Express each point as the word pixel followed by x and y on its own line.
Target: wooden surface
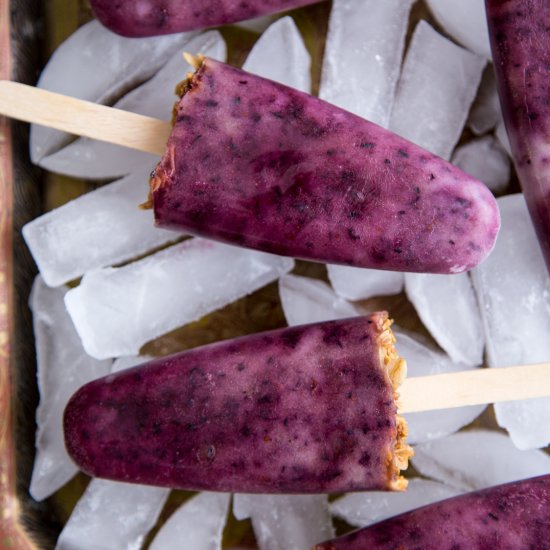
pixel 12 535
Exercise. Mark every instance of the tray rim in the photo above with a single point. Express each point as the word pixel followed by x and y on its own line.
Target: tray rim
pixel 12 532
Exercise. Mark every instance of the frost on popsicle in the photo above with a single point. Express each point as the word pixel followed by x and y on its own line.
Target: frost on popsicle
pixel 198 523
pixel 362 509
pixel 155 17
pixel 513 290
pixel 511 516
pixel 307 409
pixel 104 227
pixel 118 310
pixel 97 65
pixel 284 522
pixel 478 459
pixel 520 41
pixel 112 515
pixel 253 163
pixel 63 367
pixel 87 158
pixel 280 54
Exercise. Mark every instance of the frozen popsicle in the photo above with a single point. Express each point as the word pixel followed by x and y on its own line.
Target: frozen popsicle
pixel 508 517
pixel 253 163
pixel 156 17
pixel 520 42
pixel 307 409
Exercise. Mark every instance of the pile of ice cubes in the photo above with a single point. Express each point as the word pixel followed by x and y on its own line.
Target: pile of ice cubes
pixel 139 282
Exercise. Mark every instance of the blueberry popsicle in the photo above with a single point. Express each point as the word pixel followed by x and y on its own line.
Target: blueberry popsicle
pixel 520 42
pixel 308 409
pixel 253 163
pixel 154 17
pixel 508 517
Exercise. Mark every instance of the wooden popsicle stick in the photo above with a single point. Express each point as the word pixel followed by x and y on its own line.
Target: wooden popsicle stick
pixel 83 118
pixel 474 387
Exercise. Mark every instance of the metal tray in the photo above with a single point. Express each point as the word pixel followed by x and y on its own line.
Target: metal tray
pixel 29 31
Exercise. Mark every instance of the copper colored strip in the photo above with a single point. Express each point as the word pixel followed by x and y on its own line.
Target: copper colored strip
pixel 12 534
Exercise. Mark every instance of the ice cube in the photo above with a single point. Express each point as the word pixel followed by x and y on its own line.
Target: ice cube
pixel 485 113
pixel 117 310
pixel 362 509
pixel 307 300
pixel 197 524
pixel 447 306
pixel 436 89
pixel 280 54
pixel 422 360
pixel 513 290
pixel 286 522
pixel 98 65
pixel 486 160
pixel 477 459
pixel 363 56
pixel 465 21
pixel 62 368
pixel 88 158
pixel 102 228
pixel 357 283
pixel 111 514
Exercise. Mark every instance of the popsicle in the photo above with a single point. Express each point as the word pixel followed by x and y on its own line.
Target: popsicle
pixel 308 409
pixel 253 163
pixel 155 17
pixel 520 42
pixel 507 517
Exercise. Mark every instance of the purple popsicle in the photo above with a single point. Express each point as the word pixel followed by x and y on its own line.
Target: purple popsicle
pixel 154 17
pixel 520 42
pixel 253 163
pixel 506 517
pixel 307 409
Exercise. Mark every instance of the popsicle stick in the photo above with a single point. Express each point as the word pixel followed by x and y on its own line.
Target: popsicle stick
pixel 474 387
pixel 83 118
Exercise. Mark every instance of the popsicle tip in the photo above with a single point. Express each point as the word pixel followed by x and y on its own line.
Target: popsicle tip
pixel 194 60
